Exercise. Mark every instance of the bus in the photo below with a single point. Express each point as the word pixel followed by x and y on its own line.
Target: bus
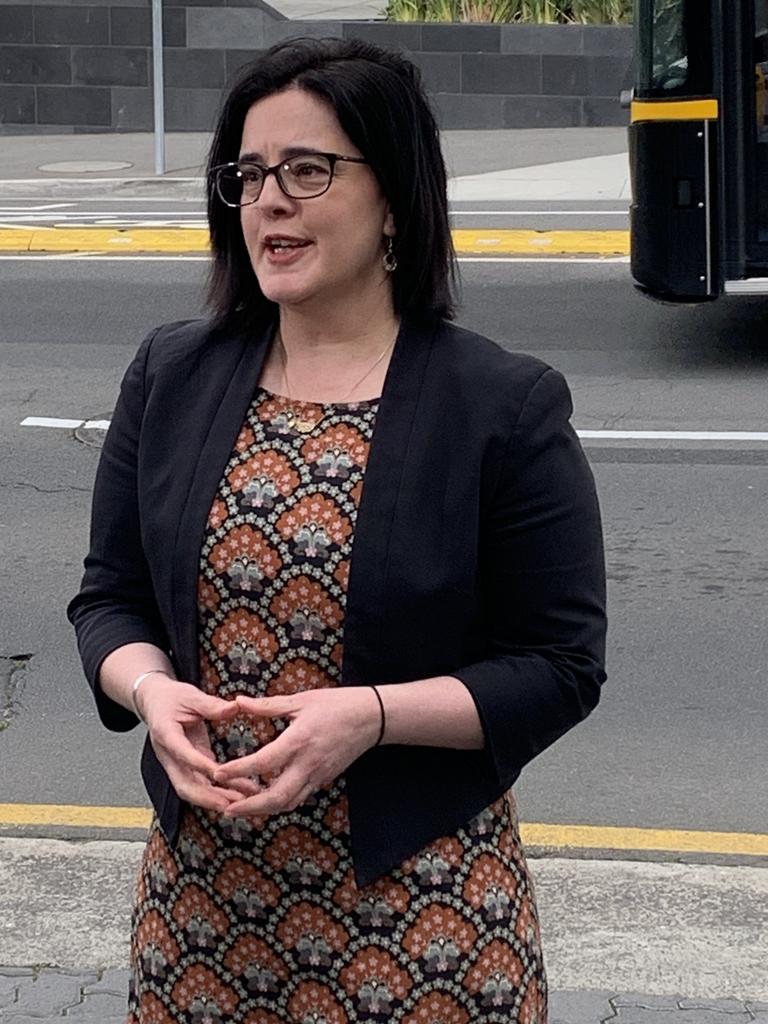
pixel 698 149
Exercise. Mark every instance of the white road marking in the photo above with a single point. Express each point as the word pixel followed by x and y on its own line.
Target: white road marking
pixel 21 216
pixel 607 435
pixel 144 258
pixel 90 181
pixel 674 435
pixel 543 259
pixel 110 199
pixel 539 213
pixel 50 421
pixel 33 209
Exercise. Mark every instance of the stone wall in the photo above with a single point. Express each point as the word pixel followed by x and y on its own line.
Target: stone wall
pixel 85 67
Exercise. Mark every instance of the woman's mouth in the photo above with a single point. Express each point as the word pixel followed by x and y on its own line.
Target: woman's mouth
pixel 284 250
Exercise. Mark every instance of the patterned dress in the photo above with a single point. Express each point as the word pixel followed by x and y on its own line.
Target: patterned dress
pixel 260 921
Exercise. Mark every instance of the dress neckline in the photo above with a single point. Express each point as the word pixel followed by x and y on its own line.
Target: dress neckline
pixel 323 405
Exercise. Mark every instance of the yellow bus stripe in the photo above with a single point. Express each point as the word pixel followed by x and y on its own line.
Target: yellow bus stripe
pixel 564 837
pixel 674 110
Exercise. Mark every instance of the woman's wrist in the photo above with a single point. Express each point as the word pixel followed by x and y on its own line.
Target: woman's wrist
pixel 369 715
pixel 138 689
pixel 382 718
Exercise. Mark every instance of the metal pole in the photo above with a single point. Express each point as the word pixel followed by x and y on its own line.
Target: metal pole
pixel 157 71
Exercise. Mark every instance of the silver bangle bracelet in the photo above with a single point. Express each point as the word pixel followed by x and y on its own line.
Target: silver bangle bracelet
pixel 137 683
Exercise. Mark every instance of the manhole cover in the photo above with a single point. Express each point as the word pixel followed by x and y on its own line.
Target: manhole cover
pixel 85 166
pixel 93 431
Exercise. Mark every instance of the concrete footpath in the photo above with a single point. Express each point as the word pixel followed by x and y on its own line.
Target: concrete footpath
pixel 627 941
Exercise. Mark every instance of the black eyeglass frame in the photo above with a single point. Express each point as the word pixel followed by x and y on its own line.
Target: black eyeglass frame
pixel 332 158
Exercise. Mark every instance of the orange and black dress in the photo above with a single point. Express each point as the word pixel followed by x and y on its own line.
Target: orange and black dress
pixel 260 921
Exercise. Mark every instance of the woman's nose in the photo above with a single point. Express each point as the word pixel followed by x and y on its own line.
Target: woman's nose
pixel 272 196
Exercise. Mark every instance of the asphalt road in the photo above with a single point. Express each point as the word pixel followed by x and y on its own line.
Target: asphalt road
pixel 679 739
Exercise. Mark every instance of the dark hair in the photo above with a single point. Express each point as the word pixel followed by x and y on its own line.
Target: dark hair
pixel 380 103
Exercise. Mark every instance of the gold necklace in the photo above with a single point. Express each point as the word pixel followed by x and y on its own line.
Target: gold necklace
pixel 304 426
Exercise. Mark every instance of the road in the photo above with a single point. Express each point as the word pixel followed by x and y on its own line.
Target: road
pixel 679 739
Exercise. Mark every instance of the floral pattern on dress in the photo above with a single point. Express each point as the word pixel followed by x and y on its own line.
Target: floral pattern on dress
pixel 260 921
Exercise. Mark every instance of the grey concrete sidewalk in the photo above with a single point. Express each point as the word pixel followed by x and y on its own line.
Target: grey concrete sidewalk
pixel 46 995
pixel 610 928
pixel 535 164
pixel 466 152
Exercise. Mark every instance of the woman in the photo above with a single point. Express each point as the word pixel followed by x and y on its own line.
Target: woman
pixel 333 731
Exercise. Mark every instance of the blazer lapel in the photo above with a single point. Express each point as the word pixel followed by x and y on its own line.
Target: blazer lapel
pixel 364 655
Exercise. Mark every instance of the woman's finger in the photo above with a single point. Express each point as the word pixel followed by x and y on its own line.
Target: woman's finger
pixel 267 707
pixel 198 790
pixel 204 706
pixel 175 743
pixel 284 795
pixel 269 759
pixel 244 787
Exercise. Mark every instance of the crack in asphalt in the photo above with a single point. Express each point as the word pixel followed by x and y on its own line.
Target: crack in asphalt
pixel 13 669
pixel 43 490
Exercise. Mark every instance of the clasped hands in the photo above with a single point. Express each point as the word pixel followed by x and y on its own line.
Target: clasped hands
pixel 327 730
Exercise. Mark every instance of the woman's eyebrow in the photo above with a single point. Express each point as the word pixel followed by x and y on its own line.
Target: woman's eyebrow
pixel 285 154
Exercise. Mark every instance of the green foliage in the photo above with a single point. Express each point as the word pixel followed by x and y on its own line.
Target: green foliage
pixel 562 12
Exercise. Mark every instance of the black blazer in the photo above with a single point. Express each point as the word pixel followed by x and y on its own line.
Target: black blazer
pixel 477 554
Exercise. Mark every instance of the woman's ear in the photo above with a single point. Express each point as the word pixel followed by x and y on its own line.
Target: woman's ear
pixel 389 225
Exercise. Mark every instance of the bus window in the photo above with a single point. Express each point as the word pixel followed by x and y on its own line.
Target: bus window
pixel 673 49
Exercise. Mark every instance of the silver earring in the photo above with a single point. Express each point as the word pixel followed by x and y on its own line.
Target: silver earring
pixel 389 260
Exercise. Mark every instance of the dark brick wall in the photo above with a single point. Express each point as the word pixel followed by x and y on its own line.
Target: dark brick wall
pixel 86 65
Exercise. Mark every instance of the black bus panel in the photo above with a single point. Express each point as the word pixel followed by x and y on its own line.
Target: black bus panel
pixel 672 221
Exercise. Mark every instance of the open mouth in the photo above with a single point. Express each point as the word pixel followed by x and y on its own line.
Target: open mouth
pixel 283 245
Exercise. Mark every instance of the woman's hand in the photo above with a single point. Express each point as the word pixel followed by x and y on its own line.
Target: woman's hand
pixel 328 729
pixel 176 713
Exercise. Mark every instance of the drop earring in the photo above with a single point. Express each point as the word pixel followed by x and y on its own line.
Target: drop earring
pixel 389 260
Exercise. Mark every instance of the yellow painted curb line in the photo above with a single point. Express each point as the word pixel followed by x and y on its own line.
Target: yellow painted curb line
pixel 476 242
pixel 74 814
pixel 582 837
pixel 598 837
pixel 480 242
pixel 106 240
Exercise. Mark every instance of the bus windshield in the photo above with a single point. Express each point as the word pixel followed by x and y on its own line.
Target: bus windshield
pixel 673 53
pixel 662 60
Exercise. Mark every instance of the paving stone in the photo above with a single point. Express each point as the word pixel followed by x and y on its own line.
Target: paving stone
pixel 99 1019
pixel 658 1015
pixel 24 1018
pixel 49 994
pixel 756 1007
pixel 8 988
pixel 114 981
pixel 646 1002
pixel 726 1005
pixel 102 1004
pixel 580 1007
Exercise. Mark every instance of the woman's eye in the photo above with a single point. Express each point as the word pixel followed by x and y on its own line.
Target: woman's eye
pixel 307 170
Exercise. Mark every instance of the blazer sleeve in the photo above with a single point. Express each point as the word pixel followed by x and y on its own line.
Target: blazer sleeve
pixel 116 602
pixel 543 586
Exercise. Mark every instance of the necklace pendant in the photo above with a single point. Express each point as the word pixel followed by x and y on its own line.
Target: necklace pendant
pixel 304 426
pixel 300 423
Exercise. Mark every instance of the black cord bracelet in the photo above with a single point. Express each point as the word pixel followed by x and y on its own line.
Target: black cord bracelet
pixel 383 717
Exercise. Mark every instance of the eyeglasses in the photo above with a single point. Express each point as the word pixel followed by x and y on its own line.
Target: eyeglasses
pixel 300 177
